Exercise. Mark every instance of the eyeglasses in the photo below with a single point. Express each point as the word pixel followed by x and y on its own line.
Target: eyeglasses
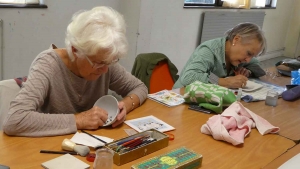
pixel 100 65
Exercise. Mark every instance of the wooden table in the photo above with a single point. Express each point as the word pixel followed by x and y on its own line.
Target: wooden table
pixel 283 158
pixel 257 151
pixel 285 115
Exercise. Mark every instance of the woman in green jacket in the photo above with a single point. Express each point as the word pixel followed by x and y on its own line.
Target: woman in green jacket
pixel 227 61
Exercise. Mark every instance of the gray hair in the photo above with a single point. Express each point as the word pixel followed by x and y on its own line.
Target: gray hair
pixel 248 31
pixel 99 29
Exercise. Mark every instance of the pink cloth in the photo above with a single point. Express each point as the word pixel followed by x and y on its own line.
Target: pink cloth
pixel 235 123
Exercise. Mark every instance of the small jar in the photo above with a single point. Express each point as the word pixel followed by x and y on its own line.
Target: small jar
pixel 104 159
pixel 271 98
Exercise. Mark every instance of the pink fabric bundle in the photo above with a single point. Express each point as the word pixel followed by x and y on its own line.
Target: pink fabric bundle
pixel 235 123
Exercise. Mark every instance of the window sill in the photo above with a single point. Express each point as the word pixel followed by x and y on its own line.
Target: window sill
pixel 221 7
pixel 23 6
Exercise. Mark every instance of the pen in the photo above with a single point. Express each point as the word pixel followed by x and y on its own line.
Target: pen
pixel 94 136
pixel 129 139
pixel 144 143
pixel 58 152
pixel 132 141
pixel 126 140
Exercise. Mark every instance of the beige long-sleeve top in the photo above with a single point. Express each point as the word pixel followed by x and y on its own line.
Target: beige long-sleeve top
pixel 46 104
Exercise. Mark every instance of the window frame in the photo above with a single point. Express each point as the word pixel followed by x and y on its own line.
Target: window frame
pixel 218 4
pixel 268 4
pixel 16 4
pixel 23 6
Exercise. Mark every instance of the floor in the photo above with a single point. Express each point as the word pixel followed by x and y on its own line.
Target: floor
pixel 272 62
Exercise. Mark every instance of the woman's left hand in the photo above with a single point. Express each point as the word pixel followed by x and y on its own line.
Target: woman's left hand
pixel 242 71
pixel 121 116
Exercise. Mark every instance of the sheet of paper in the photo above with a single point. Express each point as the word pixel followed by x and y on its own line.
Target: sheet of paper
pixel 65 161
pixel 251 86
pixel 147 123
pixel 176 90
pixel 130 132
pixel 292 163
pixel 84 139
pixel 167 97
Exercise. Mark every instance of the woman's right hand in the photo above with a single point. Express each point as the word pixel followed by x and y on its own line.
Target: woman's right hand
pixel 91 119
pixel 233 82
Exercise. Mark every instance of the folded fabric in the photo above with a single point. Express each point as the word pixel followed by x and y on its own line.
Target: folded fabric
pixel 291 94
pixel 247 98
pixel 235 123
pixel 209 96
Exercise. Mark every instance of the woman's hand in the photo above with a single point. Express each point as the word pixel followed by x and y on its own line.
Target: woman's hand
pixel 233 82
pixel 122 115
pixel 242 71
pixel 91 119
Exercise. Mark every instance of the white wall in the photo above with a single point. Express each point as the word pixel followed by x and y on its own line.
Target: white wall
pixel 27 32
pixel 293 34
pixel 152 26
pixel 167 27
pixel 276 24
pixel 131 11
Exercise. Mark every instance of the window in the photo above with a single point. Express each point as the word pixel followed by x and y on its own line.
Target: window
pixel 195 3
pixel 231 3
pixel 22 4
pixel 19 1
pixel 268 3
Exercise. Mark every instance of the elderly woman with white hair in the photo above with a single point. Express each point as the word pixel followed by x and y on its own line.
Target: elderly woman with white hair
pixel 64 83
pixel 227 61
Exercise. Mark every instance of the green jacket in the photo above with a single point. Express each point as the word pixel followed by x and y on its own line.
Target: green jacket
pixel 145 63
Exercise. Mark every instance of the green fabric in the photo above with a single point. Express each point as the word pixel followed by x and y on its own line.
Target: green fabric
pixel 146 62
pixel 209 96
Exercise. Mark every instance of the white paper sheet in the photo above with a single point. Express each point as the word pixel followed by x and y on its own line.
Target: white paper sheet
pixel 147 123
pixel 167 97
pixel 251 86
pixel 292 163
pixel 84 139
pixel 65 161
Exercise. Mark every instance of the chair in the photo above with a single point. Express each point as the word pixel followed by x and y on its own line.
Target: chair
pixel 161 78
pixel 155 70
pixel 8 91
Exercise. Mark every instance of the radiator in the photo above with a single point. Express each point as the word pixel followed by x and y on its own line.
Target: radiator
pixel 215 24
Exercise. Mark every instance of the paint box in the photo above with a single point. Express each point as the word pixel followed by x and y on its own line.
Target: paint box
pixel 120 158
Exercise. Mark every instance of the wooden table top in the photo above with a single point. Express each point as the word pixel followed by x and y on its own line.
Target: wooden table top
pixel 283 158
pixel 285 115
pixel 256 152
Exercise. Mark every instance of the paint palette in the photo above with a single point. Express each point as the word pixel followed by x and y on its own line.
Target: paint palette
pixel 110 104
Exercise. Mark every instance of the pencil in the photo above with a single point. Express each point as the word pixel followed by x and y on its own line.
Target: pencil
pixel 94 136
pixel 58 152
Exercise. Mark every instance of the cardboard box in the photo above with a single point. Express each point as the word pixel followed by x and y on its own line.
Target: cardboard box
pixel 162 140
pixel 180 158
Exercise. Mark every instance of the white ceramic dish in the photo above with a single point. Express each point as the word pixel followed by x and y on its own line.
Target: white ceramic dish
pixel 110 104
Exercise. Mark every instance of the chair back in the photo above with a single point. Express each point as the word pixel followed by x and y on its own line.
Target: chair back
pixel 8 91
pixel 155 70
pixel 161 78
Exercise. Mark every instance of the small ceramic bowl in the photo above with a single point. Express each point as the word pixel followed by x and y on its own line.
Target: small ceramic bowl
pixel 110 104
